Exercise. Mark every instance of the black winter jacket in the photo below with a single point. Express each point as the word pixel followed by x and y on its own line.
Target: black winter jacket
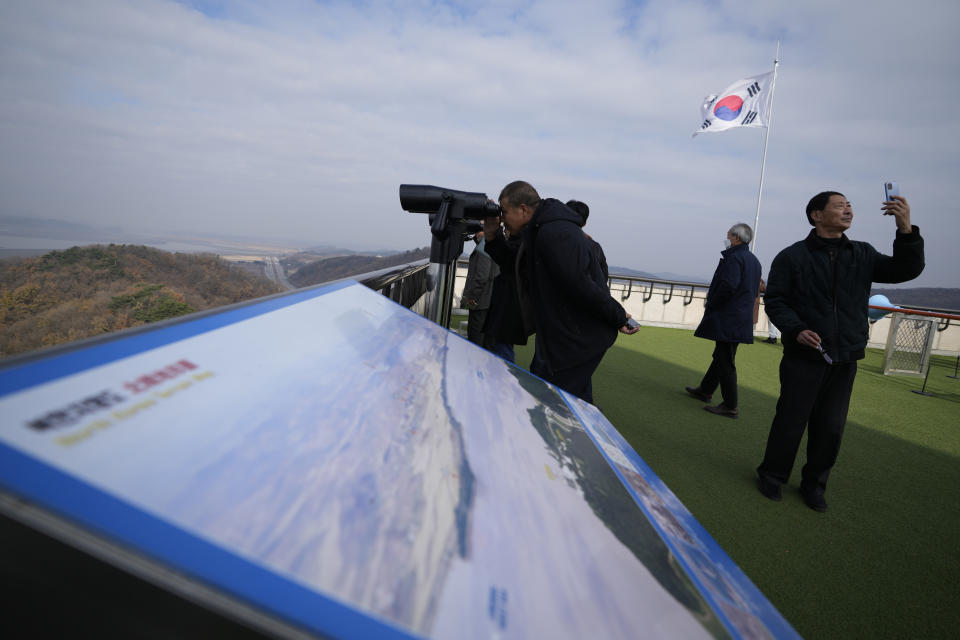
pixel 504 319
pixel 563 286
pixel 601 259
pixel 728 316
pixel 825 288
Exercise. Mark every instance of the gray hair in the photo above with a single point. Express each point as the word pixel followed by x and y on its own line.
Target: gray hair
pixel 518 193
pixel 742 231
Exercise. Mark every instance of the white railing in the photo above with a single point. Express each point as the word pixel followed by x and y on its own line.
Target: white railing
pixel 679 305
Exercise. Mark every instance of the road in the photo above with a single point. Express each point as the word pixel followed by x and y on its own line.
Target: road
pixel 274 270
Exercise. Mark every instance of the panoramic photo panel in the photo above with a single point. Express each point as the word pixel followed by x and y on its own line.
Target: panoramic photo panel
pixel 382 474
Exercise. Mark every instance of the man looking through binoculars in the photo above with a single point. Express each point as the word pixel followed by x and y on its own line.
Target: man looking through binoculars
pixel 563 292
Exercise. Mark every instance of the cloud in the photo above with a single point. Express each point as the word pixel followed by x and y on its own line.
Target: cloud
pixel 299 120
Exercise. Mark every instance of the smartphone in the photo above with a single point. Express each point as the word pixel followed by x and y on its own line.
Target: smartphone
pixel 632 324
pixel 890 189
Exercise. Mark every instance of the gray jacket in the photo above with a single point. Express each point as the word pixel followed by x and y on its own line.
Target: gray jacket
pixel 481 272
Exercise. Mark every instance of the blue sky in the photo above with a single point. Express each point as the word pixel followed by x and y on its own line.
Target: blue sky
pixel 297 120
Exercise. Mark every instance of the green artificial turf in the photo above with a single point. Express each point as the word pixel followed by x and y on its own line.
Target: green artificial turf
pixel 883 561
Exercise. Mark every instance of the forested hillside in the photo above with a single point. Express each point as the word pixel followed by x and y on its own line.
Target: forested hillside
pixel 85 291
pixel 328 269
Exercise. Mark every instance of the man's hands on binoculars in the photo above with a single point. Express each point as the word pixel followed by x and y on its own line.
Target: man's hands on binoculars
pixel 490 228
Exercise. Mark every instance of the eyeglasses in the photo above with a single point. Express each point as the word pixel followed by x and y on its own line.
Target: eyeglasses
pixel 825 355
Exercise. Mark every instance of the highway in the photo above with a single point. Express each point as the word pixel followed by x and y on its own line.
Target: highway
pixel 274 271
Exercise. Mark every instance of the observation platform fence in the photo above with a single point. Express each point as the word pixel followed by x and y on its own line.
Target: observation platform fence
pixel 663 303
pixel 680 304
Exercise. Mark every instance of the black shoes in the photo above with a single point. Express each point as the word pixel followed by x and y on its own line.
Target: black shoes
pixel 814 500
pixel 771 341
pixel 722 410
pixel 698 394
pixel 769 489
pixel 772 491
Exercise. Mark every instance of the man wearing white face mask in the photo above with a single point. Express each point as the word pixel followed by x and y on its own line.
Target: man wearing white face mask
pixel 728 319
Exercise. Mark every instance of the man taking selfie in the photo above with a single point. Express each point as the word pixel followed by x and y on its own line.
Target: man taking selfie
pixel 818 296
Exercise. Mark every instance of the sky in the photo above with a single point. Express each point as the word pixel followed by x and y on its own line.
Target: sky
pixel 296 121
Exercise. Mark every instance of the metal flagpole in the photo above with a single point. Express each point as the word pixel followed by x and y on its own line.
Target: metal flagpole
pixel 766 137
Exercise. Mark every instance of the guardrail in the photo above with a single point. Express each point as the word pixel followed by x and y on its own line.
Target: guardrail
pixel 680 304
pixel 674 304
pixel 405 284
pixel 667 303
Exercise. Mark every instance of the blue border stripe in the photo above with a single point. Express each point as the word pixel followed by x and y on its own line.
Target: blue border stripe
pixel 768 614
pixel 133 528
pixel 56 366
pixel 707 594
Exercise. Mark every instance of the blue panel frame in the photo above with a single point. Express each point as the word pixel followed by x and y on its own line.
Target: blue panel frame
pixel 771 618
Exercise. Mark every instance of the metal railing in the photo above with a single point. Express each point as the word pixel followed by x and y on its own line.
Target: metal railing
pixel 414 286
pixel 406 284
pixel 652 301
pixel 647 299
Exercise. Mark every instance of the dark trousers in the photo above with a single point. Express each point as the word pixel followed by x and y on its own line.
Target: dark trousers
pixel 475 321
pixel 722 373
pixel 502 349
pixel 813 395
pixel 575 380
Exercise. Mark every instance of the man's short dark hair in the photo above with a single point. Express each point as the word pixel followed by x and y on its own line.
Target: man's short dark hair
pixel 518 193
pixel 819 203
pixel 581 209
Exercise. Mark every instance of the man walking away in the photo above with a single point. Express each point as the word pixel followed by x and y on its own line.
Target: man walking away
pixel 728 319
pixel 818 295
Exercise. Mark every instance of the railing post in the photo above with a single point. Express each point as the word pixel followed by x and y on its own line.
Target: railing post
pixel 440 284
pixel 647 293
pixel 667 297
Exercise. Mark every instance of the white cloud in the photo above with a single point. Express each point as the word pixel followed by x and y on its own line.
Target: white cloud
pixel 298 119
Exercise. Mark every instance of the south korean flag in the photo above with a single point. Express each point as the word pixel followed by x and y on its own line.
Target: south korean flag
pixel 745 103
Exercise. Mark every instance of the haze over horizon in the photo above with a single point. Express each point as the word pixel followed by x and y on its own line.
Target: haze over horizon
pixel 297 120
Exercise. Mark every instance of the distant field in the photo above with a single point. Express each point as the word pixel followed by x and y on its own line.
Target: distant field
pixel 22 253
pixel 15 246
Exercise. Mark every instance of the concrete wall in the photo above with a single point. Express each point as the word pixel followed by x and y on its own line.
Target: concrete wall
pixel 664 305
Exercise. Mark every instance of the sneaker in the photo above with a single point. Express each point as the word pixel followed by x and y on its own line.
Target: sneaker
pixel 722 410
pixel 814 500
pixel 769 489
pixel 698 394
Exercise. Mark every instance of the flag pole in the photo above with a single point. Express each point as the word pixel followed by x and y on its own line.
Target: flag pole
pixel 766 137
